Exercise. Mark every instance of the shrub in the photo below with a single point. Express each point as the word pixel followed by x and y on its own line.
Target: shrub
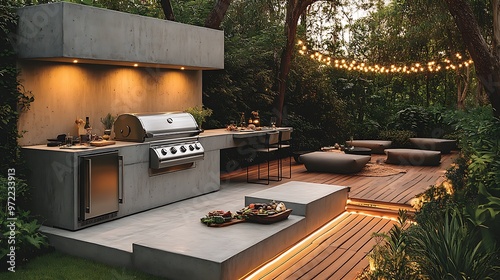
pixel 390 258
pixel 449 247
pixel 415 119
pixel 480 144
pixel 368 129
pixel 399 138
pixel 23 232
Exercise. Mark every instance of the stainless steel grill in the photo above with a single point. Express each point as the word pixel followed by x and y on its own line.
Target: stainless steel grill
pixel 173 136
pixel 154 127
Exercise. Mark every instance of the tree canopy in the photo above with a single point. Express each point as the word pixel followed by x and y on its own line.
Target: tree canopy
pixel 265 72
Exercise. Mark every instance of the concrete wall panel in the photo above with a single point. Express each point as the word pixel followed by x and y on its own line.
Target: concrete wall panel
pixel 65 31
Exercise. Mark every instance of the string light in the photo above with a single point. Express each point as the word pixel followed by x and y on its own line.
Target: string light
pixel 353 65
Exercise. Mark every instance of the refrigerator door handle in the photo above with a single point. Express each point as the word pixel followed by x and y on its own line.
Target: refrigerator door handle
pixel 88 186
pixel 120 192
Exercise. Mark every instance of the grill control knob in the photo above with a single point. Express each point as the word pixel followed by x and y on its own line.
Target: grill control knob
pixel 197 146
pixel 164 152
pixel 173 150
pixel 183 149
pixel 191 148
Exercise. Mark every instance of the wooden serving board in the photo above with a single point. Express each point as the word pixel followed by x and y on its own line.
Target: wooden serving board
pixel 102 143
pixel 232 222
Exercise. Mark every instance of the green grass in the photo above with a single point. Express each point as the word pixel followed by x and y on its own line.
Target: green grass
pixel 59 266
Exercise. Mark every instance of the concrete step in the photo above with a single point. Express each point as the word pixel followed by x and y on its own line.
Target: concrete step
pixel 171 241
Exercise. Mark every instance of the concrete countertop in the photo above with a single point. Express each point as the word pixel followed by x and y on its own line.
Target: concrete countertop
pixel 242 134
pixel 79 148
pixel 221 137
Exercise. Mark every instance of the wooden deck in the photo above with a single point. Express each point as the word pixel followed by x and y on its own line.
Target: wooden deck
pixel 340 251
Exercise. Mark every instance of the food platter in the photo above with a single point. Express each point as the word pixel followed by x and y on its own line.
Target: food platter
pixel 269 219
pixel 261 213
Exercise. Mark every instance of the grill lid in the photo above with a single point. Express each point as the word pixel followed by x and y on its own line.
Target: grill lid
pixel 141 127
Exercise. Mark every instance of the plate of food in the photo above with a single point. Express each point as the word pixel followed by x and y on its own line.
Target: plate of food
pixel 265 213
pixel 220 218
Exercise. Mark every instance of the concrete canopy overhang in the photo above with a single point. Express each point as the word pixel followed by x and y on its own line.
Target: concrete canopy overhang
pixel 66 32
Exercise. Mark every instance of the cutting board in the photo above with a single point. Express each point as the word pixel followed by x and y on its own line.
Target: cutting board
pixel 102 143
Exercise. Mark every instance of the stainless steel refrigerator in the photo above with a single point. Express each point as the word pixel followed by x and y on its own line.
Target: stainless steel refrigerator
pixel 99 185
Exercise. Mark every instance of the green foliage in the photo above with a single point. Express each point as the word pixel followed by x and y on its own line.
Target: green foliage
pixel 434 201
pixel 315 104
pixel 449 248
pixel 56 265
pixel 440 246
pixel 9 89
pixel 366 129
pixel 391 256
pixel 417 119
pixel 108 121
pixel 139 7
pixel 399 138
pixel 192 11
pixel 487 216
pixel 22 233
pixel 480 168
pixel 199 113
pixel 247 82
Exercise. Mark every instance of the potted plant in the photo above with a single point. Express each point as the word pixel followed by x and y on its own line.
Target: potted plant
pixel 199 114
pixel 107 121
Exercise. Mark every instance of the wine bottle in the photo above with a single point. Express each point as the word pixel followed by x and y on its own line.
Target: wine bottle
pixel 87 123
pixel 87 127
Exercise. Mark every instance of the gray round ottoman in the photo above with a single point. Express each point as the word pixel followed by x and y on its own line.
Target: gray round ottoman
pixel 413 157
pixel 377 146
pixel 334 162
pixel 443 145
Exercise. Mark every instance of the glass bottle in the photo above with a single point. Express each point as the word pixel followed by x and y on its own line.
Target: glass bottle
pixel 242 120
pixel 87 123
pixel 88 129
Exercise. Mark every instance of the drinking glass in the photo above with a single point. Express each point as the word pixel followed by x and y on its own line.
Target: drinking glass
pixel 69 139
pixel 273 122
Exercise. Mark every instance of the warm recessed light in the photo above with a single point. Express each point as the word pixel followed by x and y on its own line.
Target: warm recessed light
pixel 135 65
pixel 182 68
pixel 75 61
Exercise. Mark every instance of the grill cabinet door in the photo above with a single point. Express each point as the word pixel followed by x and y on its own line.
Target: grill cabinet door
pixel 99 184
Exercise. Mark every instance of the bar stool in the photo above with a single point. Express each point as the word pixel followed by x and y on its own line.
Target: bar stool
pixel 285 150
pixel 268 148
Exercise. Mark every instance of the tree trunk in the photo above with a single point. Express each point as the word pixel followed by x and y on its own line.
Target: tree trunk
pixel 167 9
pixel 215 17
pixel 462 80
pixel 427 91
pixel 293 11
pixel 487 64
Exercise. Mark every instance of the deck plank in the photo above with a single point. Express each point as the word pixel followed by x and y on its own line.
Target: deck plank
pixel 308 262
pixel 341 252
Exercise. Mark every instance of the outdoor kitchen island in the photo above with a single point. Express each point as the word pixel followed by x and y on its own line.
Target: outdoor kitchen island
pixel 60 177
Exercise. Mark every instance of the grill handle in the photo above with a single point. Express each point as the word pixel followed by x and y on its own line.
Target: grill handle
pixel 172 162
pixel 173 134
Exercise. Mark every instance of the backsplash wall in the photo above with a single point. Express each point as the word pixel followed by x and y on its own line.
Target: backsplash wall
pixel 64 92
